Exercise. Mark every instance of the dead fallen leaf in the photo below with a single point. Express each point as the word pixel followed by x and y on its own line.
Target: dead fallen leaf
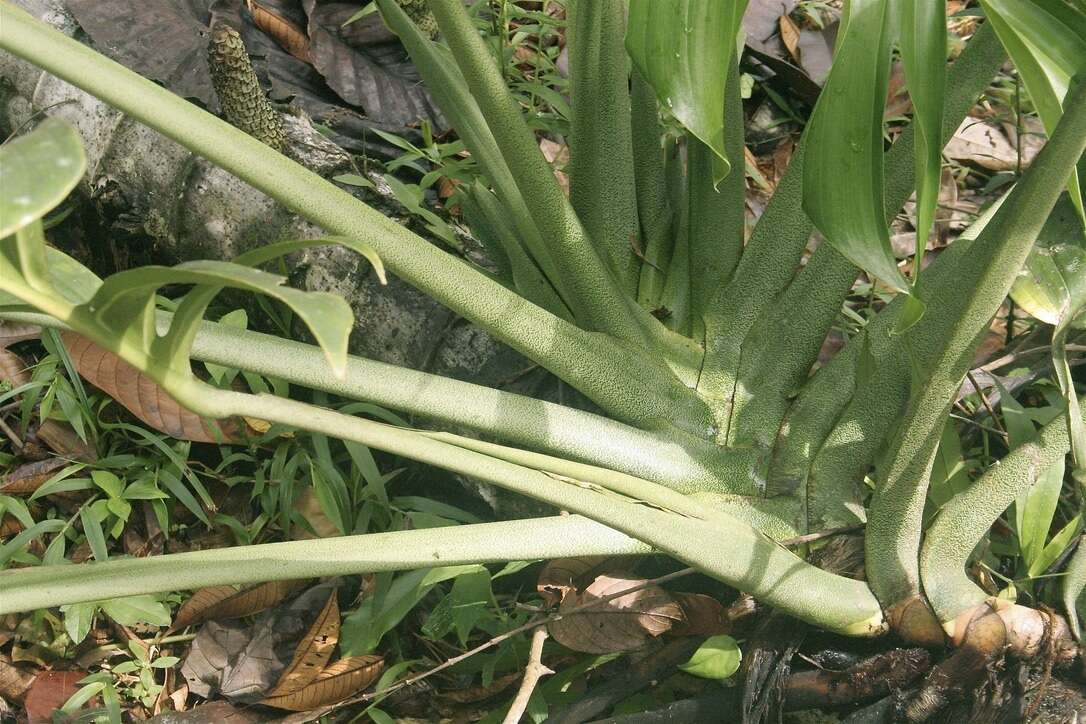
pixel 226 602
pixel 314 651
pixel 567 575
pixel 337 682
pixel 621 624
pixel 13 369
pixel 215 712
pixel 48 693
pixel 141 396
pixel 14 682
pixel 27 478
pixel 790 37
pixel 285 31
pixel 310 509
pixel 702 616
pixel 481 693
pixel 9 526
pixel 557 155
pixel 65 442
pixel 978 143
pixel 12 332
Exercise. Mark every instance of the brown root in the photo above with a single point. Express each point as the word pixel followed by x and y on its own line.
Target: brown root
pixel 983 635
pixel 870 679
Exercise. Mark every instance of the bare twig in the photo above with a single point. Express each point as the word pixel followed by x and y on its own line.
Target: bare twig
pixel 542 621
pixel 988 406
pixel 533 672
pixel 16 441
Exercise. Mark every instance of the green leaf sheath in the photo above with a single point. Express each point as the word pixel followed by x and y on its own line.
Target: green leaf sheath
pixel 1074 583
pixel 941 349
pixel 822 400
pixel 445 82
pixel 842 170
pixel 591 363
pixel 923 52
pixel 656 239
pixel 595 295
pixel 683 48
pixel 601 173
pixel 717 212
pixel 953 535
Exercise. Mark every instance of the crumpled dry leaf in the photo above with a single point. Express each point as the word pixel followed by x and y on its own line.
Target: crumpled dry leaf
pixel 214 712
pixel 563 576
pixel 978 143
pixel 313 652
pixel 142 396
pixel 65 442
pixel 702 616
pixel 337 682
pixel 14 682
pixel 226 602
pixel 12 332
pixel 622 624
pixel 13 370
pixel 28 477
pixel 243 662
pixel 48 693
pixel 366 65
pixel 165 40
pixel 285 31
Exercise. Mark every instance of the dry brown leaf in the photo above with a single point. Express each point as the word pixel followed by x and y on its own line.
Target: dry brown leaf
pixel 621 624
pixel 13 369
pixel 978 143
pixel 481 693
pixel 702 616
pixel 285 32
pixel 65 442
pixel 14 682
pixel 310 509
pixel 337 682
pixel 28 477
pixel 49 692
pixel 12 332
pixel 557 154
pixel 567 575
pixel 142 396
pixel 9 526
pixel 313 652
pixel 790 37
pixel 224 602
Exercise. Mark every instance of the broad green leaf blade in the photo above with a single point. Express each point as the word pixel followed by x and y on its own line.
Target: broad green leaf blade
pixel 717 658
pixel 683 48
pixel 923 52
pixel 1035 510
pixel 1046 39
pixel 842 174
pixel 1052 285
pixel 328 316
pixel 37 171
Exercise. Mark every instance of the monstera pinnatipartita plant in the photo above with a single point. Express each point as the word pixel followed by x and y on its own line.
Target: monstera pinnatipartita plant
pixel 640 291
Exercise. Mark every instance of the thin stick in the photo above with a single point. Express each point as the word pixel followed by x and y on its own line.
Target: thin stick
pixel 543 620
pixel 533 672
pixel 988 406
pixel 15 440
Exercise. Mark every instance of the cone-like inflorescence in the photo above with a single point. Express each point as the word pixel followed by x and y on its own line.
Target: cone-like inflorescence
pixel 420 14
pixel 243 101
